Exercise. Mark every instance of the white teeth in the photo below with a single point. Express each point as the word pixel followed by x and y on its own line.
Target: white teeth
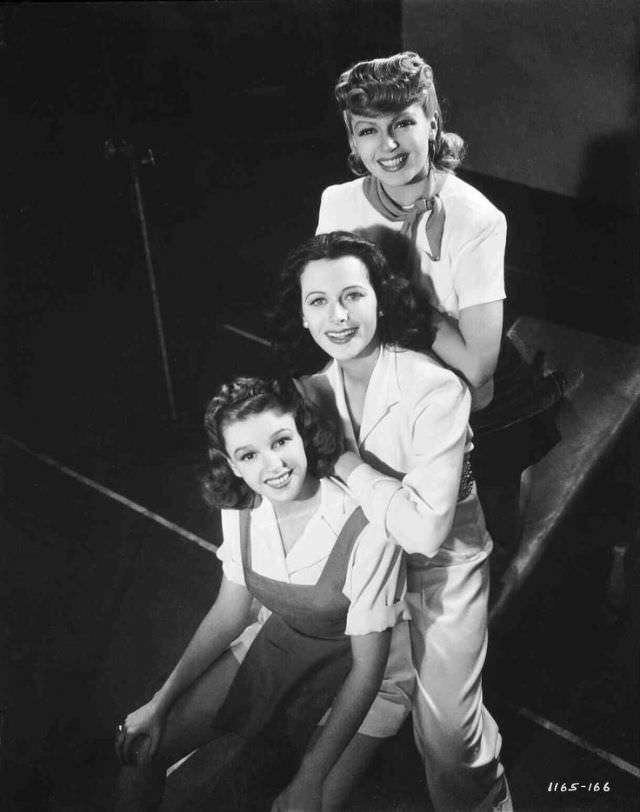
pixel 341 333
pixel 393 163
pixel 279 482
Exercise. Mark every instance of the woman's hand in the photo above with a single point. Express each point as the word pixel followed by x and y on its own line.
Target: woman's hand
pixel 139 735
pixel 304 794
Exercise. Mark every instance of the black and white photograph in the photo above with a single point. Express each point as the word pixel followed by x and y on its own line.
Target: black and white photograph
pixel 320 406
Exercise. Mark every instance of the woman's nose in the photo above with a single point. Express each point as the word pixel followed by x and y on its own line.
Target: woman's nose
pixel 340 312
pixel 272 460
pixel 389 142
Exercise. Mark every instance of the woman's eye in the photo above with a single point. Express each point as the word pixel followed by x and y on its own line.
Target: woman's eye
pixel 405 122
pixel 281 441
pixel 248 456
pixel 365 131
pixel 354 295
pixel 319 300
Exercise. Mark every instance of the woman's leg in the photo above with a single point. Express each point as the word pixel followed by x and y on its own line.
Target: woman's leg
pixel 348 771
pixel 388 712
pixel 458 738
pixel 188 726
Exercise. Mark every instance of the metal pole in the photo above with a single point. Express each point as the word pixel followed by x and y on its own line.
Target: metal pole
pixel 152 284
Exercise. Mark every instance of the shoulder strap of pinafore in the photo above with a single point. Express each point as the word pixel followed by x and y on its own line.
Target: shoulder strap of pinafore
pixel 339 556
pixel 245 547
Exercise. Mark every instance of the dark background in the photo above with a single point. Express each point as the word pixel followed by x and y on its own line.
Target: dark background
pixel 234 99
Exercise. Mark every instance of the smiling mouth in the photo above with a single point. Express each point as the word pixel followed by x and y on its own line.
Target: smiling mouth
pixel 395 163
pixel 280 481
pixel 341 336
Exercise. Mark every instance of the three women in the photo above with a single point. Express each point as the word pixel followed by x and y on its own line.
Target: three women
pixel 404 418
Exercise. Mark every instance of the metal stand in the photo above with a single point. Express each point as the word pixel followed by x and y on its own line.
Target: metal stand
pixel 113 149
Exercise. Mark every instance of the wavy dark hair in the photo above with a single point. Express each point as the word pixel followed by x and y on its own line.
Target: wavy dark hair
pixel 245 397
pixel 406 320
pixel 387 85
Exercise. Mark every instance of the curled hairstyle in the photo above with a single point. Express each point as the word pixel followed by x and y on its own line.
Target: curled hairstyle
pixel 247 397
pixel 405 317
pixel 386 86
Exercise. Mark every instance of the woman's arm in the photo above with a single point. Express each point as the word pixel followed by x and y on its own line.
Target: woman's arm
pixel 472 345
pixel 370 653
pixel 417 511
pixel 221 625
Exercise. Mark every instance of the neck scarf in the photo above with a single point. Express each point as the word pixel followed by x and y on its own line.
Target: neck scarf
pixel 429 201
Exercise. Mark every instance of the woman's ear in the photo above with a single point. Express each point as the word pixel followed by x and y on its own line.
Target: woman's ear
pixel 434 126
pixel 233 466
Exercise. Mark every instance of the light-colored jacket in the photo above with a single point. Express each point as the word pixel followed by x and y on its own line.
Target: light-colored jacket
pixel 412 440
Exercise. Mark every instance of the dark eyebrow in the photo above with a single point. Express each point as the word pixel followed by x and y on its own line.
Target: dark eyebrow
pixel 278 433
pixel 240 450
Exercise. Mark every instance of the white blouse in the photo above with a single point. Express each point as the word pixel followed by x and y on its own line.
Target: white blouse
pixel 471 268
pixel 375 578
pixel 413 435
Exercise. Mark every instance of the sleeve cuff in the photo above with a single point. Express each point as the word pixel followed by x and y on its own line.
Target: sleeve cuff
pixel 373 491
pixel 377 619
pixel 232 570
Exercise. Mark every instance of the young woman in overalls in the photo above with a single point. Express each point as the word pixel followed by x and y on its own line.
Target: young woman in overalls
pixel 450 240
pixel 405 422
pixel 331 589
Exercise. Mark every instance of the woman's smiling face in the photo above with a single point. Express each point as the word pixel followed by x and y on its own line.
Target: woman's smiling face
pixel 267 451
pixel 340 306
pixel 394 148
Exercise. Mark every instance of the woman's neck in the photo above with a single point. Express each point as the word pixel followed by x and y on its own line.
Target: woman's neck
pixel 358 371
pixel 306 501
pixel 408 194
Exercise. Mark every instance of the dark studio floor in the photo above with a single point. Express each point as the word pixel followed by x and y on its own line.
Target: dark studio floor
pixel 100 597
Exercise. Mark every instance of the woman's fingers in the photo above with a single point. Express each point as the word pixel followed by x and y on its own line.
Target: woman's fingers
pixel 142 750
pixel 127 745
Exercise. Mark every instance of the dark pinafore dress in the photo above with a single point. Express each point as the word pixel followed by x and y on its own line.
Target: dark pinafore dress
pixel 301 656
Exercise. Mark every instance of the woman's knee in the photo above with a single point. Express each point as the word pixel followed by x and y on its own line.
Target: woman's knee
pixel 140 788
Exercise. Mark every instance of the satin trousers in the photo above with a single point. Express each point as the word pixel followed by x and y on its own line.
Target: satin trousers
pixel 456 735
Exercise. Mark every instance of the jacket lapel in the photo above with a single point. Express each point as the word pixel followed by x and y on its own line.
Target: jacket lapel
pixel 383 392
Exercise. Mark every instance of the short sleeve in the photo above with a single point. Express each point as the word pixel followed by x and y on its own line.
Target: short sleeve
pixel 479 270
pixel 328 217
pixel 375 584
pixel 229 552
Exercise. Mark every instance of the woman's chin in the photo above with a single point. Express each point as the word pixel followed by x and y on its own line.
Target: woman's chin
pixel 341 352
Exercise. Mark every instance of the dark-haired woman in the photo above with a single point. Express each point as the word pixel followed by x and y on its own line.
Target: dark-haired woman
pixel 405 422
pixel 331 589
pixel 450 240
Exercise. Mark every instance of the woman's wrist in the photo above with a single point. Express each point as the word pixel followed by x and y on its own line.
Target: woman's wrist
pixel 160 702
